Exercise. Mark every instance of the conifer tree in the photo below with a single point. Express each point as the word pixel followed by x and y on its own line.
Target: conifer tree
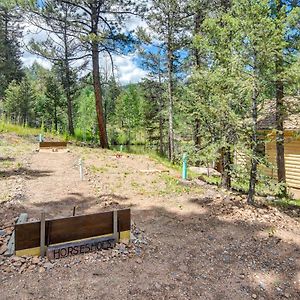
pixel 10 33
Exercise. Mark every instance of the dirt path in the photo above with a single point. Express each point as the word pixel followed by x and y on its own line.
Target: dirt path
pixel 200 242
pixel 55 185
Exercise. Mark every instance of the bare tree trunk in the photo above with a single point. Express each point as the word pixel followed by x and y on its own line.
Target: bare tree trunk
pixel 170 91
pixel 96 81
pixel 161 138
pixel 55 117
pixel 279 118
pixel 280 133
pixel 254 162
pixel 198 19
pixel 68 84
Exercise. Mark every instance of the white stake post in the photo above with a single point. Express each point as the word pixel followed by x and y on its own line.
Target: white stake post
pixel 81 169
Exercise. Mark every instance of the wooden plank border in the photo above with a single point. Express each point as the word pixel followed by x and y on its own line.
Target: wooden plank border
pixel 63 230
pixel 53 144
pixel 80 247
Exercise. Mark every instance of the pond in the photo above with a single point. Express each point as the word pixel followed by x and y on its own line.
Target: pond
pixel 135 149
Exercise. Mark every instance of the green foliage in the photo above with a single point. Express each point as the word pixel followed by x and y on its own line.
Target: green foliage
pixel 10 31
pixel 129 113
pixel 19 102
pixel 7 127
pixel 86 116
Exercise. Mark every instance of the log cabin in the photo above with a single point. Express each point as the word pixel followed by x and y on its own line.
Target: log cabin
pixel 267 125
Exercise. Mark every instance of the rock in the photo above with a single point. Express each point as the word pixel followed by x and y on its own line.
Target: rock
pixel 16 258
pixel 41 270
pixel 157 285
pixel 22 269
pixel 48 266
pixel 254 296
pixel 226 258
pixel 138 261
pixel 122 248
pixel 2 232
pixel 31 267
pixel 35 260
pixel 183 268
pixel 9 230
pixel 3 249
pixel 17 264
pixel 262 285
pixel 270 198
pixel 286 295
pixel 138 251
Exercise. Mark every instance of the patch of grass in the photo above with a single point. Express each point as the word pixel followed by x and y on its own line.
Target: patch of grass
pixel 285 202
pixel 177 167
pixel 29 132
pixel 95 169
pixel 17 129
pixel 212 179
pixel 6 164
pixel 172 185
pixel 134 184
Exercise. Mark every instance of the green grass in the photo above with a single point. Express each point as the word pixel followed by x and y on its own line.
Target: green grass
pixel 95 169
pixel 17 129
pixel 25 131
pixel 284 202
pixel 212 179
pixel 176 167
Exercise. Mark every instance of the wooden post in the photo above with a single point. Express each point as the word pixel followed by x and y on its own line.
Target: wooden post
pixel 80 169
pixel 42 235
pixel 116 233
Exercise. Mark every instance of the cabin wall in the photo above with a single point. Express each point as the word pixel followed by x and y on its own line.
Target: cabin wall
pixel 292 160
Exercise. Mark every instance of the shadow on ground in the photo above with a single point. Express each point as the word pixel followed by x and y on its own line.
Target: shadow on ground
pixel 25 173
pixel 206 254
pixel 7 159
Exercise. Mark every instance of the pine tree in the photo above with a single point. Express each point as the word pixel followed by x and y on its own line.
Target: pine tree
pixel 19 102
pixel 167 20
pixel 10 33
pixel 285 16
pixel 97 24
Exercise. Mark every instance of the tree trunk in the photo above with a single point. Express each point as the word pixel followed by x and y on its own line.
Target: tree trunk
pixel 96 80
pixel 55 117
pixel 198 20
pixel 197 139
pixel 226 167
pixel 254 162
pixel 170 91
pixel 161 138
pixel 279 118
pixel 68 84
pixel 280 133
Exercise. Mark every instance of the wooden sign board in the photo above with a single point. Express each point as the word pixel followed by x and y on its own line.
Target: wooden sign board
pixel 80 247
pixel 57 231
pixel 45 145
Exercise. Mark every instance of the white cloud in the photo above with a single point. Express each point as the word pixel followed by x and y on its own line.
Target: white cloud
pixel 28 59
pixel 127 70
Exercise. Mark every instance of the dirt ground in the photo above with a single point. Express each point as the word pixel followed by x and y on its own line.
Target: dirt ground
pixel 201 242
